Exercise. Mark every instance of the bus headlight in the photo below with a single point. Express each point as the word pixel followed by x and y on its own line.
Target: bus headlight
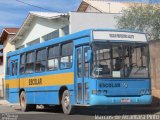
pixel 145 92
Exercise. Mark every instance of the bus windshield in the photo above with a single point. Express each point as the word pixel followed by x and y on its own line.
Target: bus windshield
pixel 120 60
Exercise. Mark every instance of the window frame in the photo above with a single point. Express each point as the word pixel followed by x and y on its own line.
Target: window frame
pixel 34 51
pixel 23 64
pixel 59 49
pixel 65 56
pixel 8 67
pixel 39 61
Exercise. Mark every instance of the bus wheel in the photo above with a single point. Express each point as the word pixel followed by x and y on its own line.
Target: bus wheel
pixel 66 103
pixel 23 103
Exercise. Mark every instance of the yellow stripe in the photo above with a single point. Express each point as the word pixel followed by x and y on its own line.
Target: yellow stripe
pixel 49 80
pixel 12 83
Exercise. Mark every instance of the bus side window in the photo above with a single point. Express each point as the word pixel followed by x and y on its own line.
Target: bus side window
pixel 53 58
pixel 86 62
pixel 30 62
pixel 8 66
pixel 40 60
pixel 66 55
pixel 22 65
pixel 79 63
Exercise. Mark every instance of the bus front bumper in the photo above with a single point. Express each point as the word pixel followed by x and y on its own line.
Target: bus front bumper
pixel 104 100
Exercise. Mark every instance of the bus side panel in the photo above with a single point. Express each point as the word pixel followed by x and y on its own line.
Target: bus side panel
pixel 30 97
pixel 46 95
pixel 46 98
pixel 13 95
pixel 12 90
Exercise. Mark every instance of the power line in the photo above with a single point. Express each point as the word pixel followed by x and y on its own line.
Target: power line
pixel 35 6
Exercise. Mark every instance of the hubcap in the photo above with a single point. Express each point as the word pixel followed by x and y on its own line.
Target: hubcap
pixel 23 101
pixel 66 101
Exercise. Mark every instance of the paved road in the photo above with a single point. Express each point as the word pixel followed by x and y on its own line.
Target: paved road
pixel 81 113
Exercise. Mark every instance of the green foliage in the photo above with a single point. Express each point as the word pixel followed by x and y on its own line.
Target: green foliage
pixel 141 17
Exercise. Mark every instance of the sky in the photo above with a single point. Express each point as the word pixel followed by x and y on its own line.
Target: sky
pixel 14 12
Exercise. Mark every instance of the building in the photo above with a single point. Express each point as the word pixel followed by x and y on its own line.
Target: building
pixel 42 26
pixel 6 35
pixel 155 69
pixel 110 6
pixel 102 6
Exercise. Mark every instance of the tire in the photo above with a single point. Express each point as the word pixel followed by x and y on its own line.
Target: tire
pixel 66 104
pixel 23 103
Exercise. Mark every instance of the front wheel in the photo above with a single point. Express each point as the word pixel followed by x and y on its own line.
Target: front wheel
pixel 66 103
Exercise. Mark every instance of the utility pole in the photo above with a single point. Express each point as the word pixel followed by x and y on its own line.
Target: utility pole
pixel 109 7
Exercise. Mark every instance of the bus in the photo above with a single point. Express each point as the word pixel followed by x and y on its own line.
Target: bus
pixel 88 68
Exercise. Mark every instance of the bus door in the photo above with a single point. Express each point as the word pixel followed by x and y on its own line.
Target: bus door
pixel 82 75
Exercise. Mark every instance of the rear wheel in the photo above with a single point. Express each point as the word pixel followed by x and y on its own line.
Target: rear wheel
pixel 23 103
pixel 66 103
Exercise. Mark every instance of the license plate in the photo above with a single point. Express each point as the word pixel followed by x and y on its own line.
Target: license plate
pixel 125 100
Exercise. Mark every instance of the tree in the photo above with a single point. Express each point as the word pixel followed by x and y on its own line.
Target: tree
pixel 141 17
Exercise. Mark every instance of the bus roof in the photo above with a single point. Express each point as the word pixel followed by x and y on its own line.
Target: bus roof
pixel 84 33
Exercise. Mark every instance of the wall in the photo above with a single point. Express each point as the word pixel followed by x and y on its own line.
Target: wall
pixel 155 70
pixel 7 47
pixel 1 82
pixel 106 7
pixel 80 21
pixel 40 27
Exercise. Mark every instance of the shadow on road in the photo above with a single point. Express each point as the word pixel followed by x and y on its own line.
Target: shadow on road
pixel 106 110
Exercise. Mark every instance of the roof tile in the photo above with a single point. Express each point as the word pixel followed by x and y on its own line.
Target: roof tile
pixel 11 30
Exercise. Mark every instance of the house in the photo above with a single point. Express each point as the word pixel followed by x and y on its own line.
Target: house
pixel 110 6
pixel 42 26
pixel 102 6
pixel 6 35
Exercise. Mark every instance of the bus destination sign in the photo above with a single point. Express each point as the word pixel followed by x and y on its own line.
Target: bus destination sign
pixel 118 36
pixel 121 36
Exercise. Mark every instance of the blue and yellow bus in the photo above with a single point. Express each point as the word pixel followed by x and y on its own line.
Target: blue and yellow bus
pixel 90 67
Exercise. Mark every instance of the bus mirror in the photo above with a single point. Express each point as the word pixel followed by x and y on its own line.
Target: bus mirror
pixel 89 52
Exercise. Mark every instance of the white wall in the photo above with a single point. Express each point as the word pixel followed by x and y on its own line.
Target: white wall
pixel 40 27
pixel 80 21
pixel 77 22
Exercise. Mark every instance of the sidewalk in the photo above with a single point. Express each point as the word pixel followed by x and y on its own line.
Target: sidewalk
pixel 4 102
